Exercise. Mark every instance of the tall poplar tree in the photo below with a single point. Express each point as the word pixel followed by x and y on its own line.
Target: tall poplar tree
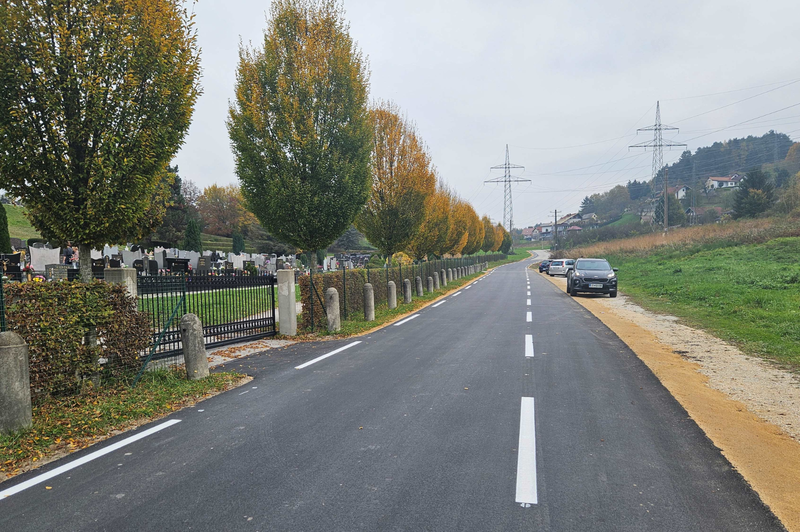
pixel 402 180
pixel 96 97
pixel 299 125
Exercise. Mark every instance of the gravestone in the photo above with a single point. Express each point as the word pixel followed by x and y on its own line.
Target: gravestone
pixel 41 257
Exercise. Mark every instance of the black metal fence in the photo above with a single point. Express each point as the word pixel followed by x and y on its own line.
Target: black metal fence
pixel 233 308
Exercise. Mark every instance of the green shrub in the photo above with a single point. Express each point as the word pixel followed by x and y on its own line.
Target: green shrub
pixel 54 318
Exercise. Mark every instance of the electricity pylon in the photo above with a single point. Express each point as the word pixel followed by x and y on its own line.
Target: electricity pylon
pixel 507 179
pixel 657 145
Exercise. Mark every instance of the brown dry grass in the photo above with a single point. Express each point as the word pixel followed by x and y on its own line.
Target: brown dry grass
pixel 733 232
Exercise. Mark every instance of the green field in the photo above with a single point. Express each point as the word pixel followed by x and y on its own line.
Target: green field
pixel 626 219
pixel 18 225
pixel 747 294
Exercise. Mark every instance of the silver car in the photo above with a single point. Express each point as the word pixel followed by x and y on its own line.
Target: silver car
pixel 558 267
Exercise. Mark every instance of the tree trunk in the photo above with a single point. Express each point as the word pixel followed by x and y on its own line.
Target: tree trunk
pixel 389 260
pixel 85 257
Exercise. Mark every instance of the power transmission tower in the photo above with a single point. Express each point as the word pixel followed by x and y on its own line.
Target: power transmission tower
pixel 657 145
pixel 507 179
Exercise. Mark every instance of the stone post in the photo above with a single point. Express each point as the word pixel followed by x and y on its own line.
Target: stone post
pixel 369 302
pixel 287 304
pixel 420 292
pixel 449 275
pixel 124 276
pixel 15 383
pixel 391 295
pixel 435 280
pixel 430 284
pixel 332 310
pixel 406 291
pixel 194 347
pixel 443 277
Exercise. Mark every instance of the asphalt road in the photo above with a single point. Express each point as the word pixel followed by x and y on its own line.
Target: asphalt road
pixel 467 417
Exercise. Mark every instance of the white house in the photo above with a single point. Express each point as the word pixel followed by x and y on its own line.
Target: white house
pixel 681 191
pixel 723 182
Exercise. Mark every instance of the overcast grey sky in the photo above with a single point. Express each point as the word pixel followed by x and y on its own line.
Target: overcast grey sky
pixel 563 83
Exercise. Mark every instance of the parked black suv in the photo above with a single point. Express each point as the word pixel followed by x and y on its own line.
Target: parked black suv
pixel 594 276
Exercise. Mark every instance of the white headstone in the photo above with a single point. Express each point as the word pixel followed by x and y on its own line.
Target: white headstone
pixel 193 256
pixel 97 254
pixel 108 251
pixel 238 262
pixel 41 257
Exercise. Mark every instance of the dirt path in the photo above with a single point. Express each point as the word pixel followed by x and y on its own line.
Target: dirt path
pixel 747 407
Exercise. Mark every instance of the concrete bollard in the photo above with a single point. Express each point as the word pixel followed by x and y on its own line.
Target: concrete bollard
pixel 391 296
pixel 194 347
pixel 287 305
pixel 369 302
pixel 406 291
pixel 332 310
pixel 449 275
pixel 443 275
pixel 435 280
pixel 418 282
pixel 15 383
pixel 430 284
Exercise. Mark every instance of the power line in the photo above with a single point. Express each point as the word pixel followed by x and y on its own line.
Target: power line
pixel 738 102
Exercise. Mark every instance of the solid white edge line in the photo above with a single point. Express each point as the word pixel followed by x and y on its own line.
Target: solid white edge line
pixel 439 303
pixel 85 459
pixel 406 320
pixel 528 317
pixel 323 357
pixel 526 455
pixel 529 346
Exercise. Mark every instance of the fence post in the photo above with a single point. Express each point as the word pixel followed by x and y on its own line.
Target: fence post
pixel 418 280
pixel 369 302
pixel 391 295
pixel 332 309
pixel 311 296
pixel 15 384
pixel 406 291
pixel 344 288
pixel 2 305
pixel 287 307
pixel 194 347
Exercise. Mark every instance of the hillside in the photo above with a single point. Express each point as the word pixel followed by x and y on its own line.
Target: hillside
pixel 18 224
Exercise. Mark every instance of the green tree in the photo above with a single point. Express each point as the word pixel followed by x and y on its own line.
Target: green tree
pixel 299 125
pixel 402 180
pixel 96 98
pixel 193 241
pixel 587 205
pixel 756 194
pixel 505 247
pixel 5 239
pixel 238 243
pixel 677 216
pixel 174 224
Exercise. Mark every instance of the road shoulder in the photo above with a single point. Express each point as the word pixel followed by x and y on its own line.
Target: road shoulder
pixel 766 455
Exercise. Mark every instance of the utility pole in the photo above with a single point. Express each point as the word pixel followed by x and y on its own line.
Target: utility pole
pixel 666 202
pixel 657 145
pixel 507 179
pixel 555 229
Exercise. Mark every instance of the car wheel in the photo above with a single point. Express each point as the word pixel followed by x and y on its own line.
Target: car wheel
pixel 612 294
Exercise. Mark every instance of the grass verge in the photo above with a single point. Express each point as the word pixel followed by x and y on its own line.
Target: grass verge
pixel 64 425
pixel 746 294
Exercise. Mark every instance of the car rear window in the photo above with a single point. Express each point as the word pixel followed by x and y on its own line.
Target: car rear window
pixel 557 263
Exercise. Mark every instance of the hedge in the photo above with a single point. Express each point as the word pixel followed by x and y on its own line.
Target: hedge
pixel 378 277
pixel 54 317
